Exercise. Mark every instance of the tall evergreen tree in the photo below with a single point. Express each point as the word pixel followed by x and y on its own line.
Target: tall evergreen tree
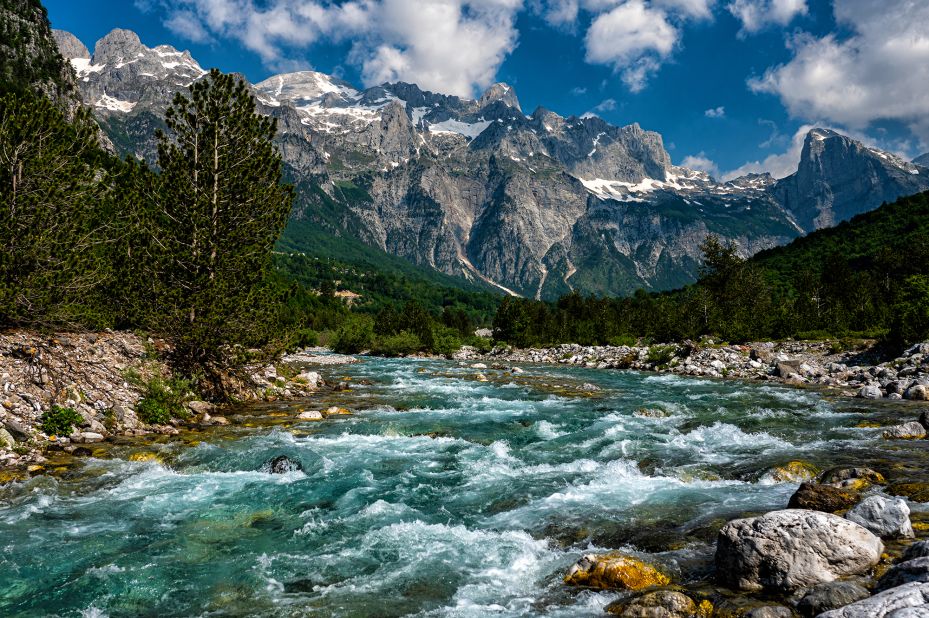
pixel 220 208
pixel 53 226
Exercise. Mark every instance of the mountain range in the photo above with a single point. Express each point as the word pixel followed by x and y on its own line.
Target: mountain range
pixel 532 204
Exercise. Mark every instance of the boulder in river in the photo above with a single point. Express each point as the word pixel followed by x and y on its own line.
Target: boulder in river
pixel 826 498
pixel 281 465
pixel 658 603
pixel 916 570
pixel 792 472
pixel 828 596
pixel 920 549
pixel 785 551
pixel 838 475
pixel 894 602
pixel 917 392
pixel 310 415
pixel 907 431
pixel 885 517
pixel 614 570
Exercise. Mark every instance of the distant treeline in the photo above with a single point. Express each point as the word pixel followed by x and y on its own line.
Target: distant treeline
pixel 865 277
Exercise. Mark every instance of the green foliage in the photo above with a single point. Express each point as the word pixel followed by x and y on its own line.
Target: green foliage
pixel 59 421
pixel 661 354
pixel 864 277
pixel 215 219
pixel 163 400
pixel 54 217
pixel 403 343
pixel 355 335
pixel 910 320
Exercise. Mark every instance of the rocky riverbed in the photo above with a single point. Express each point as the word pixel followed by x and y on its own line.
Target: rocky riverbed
pixel 102 376
pixel 853 372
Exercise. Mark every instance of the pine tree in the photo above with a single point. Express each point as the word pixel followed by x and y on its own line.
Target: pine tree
pixel 220 208
pixel 53 226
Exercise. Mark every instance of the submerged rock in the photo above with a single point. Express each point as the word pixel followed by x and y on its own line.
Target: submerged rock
pixel 894 602
pixel 826 498
pixel 916 570
pixel 888 518
pixel 656 604
pixel 281 465
pixel 828 596
pixel 614 570
pixel 793 472
pixel 785 551
pixel 838 475
pixel 907 431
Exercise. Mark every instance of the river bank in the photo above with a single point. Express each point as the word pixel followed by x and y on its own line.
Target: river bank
pixel 102 376
pixel 855 372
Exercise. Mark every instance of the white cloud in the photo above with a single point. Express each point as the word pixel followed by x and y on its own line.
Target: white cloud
pixel 715 112
pixel 452 46
pixel 700 9
pixel 757 14
pixel 880 72
pixel 607 105
pixel 634 39
pixel 702 163
pixel 778 165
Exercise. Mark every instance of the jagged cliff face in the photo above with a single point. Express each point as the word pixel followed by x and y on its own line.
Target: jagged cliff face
pixel 839 177
pixel 29 55
pixel 536 205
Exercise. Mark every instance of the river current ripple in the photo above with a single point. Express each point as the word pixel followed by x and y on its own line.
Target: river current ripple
pixel 442 495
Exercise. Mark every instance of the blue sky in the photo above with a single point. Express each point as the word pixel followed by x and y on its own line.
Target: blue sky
pixel 730 84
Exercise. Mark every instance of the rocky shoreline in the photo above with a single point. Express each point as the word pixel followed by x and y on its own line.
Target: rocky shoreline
pixel 856 372
pixel 101 377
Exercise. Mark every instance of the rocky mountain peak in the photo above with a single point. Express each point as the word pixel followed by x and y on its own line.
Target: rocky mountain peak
pixel 500 92
pixel 69 45
pixel 118 46
pixel 304 87
pixel 922 160
pixel 839 177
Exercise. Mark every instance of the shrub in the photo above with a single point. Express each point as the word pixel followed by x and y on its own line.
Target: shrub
pixel 401 344
pixel 623 340
pixel 163 400
pixel 60 421
pixel 661 354
pixel 445 341
pixel 354 336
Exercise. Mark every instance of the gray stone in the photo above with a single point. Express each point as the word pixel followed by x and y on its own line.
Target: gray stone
pixel 920 549
pixel 906 431
pixel 18 430
pixel 897 602
pixel 828 596
pixel 200 407
pixel 281 465
pixel 917 392
pixel 89 437
pixel 6 438
pixel 885 517
pixel 787 368
pixel 785 551
pixel 870 391
pixel 769 611
pixel 916 570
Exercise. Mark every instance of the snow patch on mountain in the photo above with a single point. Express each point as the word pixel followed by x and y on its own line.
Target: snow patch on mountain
pixel 468 129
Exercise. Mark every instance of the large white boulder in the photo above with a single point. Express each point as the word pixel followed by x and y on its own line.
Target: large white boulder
pixel 885 517
pixel 785 551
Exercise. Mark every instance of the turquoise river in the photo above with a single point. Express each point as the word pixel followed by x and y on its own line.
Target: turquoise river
pixel 442 495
